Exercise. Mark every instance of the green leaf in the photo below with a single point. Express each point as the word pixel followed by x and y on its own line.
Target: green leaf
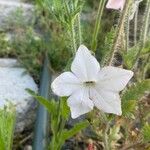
pixel 114 134
pixel 146 49
pixel 7 121
pixel 50 105
pixel 66 134
pixel 130 97
pixel 146 132
pixel 65 110
pixel 31 92
pixel 136 91
pixel 129 57
pixel 128 108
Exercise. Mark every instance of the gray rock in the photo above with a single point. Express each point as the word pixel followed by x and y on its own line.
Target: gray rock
pixel 8 62
pixel 13 84
pixel 9 6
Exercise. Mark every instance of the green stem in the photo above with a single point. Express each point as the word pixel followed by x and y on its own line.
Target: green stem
pixel 104 119
pixel 144 68
pixel 127 33
pixel 73 37
pixel 97 24
pixel 146 23
pixel 106 142
pixel 119 31
pixel 135 26
pixel 79 29
pixel 144 31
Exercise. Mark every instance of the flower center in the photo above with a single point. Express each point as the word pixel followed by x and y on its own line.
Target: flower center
pixel 89 83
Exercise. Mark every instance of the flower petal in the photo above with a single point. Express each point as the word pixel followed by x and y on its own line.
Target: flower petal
pixel 106 101
pixel 113 78
pixel 85 66
pixel 65 84
pixel 115 4
pixel 80 103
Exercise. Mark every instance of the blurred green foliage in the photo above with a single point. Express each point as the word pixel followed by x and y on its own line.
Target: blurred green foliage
pixel 59 115
pixel 7 125
pixel 31 38
pixel 19 40
pixel 146 132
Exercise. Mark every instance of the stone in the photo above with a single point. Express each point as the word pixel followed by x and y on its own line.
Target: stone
pixel 14 80
pixel 9 6
pixel 8 62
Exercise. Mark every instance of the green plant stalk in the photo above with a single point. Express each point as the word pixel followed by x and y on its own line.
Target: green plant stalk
pixel 97 24
pixel 135 25
pixel 127 33
pixel 119 31
pixel 54 127
pixel 144 31
pixel 57 129
pixel 144 68
pixel 73 36
pixel 106 141
pixel 146 22
pixel 79 29
pixel 62 126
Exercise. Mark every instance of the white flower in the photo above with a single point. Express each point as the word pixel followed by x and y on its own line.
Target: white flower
pixel 88 85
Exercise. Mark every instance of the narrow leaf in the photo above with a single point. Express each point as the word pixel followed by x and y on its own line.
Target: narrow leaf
pixel 146 132
pixel 128 108
pixel 49 105
pixel 77 127
pixel 130 97
pixel 65 111
pixel 129 57
pixel 136 91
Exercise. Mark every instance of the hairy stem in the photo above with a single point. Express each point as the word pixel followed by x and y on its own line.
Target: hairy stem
pixel 106 142
pixel 144 31
pixel 97 24
pixel 127 33
pixel 146 23
pixel 135 25
pixel 119 31
pixel 79 29
pixel 104 119
pixel 74 47
pixel 144 68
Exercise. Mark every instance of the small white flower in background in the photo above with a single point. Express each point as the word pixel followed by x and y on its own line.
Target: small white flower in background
pixel 88 85
pixel 115 4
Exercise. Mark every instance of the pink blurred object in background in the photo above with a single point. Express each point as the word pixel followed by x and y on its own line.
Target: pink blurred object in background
pixel 115 4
